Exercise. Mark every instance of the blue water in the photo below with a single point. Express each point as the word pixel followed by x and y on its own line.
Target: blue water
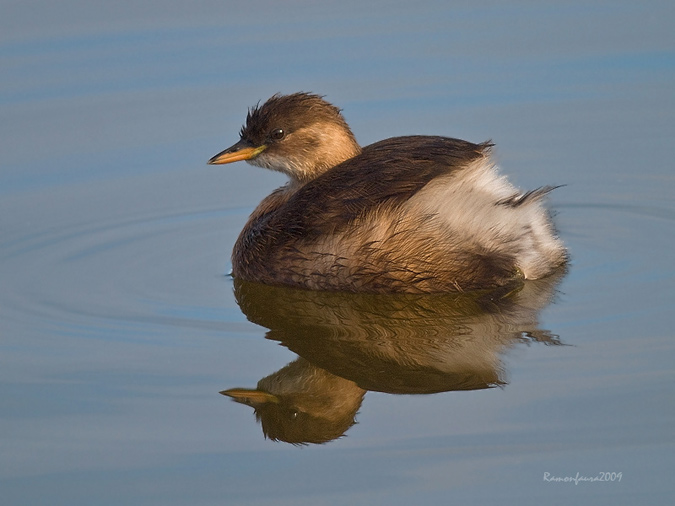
pixel 119 325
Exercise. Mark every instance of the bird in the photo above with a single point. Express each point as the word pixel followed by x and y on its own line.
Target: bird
pixel 411 214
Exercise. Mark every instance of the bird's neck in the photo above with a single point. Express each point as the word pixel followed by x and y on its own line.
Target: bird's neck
pixel 335 144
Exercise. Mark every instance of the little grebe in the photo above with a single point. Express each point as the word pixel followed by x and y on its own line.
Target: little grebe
pixel 418 214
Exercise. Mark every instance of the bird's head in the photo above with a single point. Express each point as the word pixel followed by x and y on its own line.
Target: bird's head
pixel 300 135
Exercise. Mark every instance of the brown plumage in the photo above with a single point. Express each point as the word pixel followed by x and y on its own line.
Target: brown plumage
pixel 406 214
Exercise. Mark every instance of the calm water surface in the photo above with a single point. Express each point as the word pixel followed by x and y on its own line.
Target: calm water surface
pixel 119 325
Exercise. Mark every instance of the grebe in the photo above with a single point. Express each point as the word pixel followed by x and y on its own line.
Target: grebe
pixel 418 214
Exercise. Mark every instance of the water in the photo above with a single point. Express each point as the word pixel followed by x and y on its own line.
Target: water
pixel 119 326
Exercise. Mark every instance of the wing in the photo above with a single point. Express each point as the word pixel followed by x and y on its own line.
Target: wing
pixel 387 172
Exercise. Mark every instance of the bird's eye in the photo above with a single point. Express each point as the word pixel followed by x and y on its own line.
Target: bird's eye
pixel 277 134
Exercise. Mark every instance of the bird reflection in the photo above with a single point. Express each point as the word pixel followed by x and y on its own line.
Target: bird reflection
pixel 349 344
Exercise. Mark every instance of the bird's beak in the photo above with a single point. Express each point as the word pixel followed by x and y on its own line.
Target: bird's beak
pixel 242 150
pixel 251 397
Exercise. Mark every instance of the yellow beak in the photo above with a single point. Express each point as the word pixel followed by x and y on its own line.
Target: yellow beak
pixel 240 151
pixel 251 397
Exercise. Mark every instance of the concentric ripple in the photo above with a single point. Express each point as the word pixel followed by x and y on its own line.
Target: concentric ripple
pixel 110 273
